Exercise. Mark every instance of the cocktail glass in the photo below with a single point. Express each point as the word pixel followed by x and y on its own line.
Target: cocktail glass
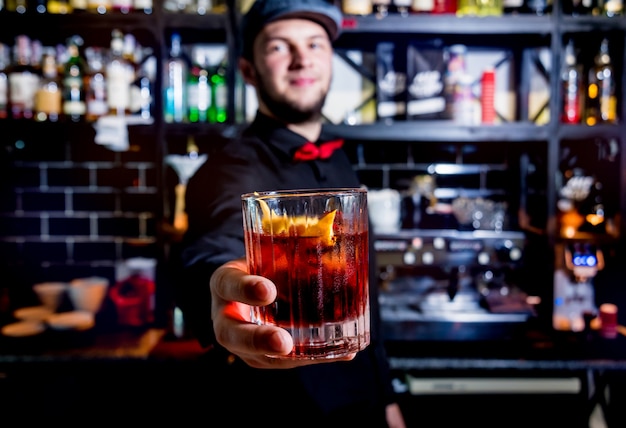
pixel 313 244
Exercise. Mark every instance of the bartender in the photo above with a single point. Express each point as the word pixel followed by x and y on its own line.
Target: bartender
pixel 287 56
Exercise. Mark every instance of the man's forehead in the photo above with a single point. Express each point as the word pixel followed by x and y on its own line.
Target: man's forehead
pixel 292 28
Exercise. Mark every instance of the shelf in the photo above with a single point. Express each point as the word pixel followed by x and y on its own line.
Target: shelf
pixel 583 132
pixel 583 24
pixel 196 128
pixel 208 22
pixel 408 234
pixel 440 168
pixel 449 24
pixel 39 25
pixel 442 131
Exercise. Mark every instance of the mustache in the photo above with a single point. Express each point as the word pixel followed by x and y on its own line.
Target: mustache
pixel 289 111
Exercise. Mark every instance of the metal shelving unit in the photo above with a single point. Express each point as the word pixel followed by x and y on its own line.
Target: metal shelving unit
pixel 442 131
pixel 548 31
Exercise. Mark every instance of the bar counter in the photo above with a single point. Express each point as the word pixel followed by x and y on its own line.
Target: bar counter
pixel 531 346
pixel 98 345
pixel 152 369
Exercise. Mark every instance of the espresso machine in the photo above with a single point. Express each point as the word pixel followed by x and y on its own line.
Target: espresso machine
pixel 448 284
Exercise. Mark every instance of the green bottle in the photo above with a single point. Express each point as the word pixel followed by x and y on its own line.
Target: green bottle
pixel 74 106
pixel 199 86
pixel 219 92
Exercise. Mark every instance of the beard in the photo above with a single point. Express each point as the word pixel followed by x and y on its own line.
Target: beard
pixel 287 111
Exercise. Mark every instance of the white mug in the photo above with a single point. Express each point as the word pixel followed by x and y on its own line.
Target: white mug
pixel 384 210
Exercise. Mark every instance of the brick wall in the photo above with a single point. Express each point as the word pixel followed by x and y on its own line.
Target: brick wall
pixel 71 208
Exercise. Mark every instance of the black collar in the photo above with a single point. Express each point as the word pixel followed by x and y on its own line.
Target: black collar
pixel 276 134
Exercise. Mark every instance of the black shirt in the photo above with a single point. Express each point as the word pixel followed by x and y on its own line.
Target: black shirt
pixel 261 159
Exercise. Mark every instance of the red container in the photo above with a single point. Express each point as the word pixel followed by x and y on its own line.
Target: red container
pixel 487 98
pixel 134 299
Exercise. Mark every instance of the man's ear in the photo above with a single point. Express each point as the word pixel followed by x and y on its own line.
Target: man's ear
pixel 247 71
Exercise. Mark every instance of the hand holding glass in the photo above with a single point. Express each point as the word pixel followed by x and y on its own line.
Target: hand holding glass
pixel 313 244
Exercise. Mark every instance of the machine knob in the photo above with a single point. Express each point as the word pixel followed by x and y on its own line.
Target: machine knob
pixel 409 258
pixel 483 258
pixel 428 258
pixel 439 243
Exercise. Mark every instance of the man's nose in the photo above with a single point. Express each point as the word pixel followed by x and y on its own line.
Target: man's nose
pixel 301 56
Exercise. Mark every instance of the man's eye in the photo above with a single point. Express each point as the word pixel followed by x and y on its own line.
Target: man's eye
pixel 318 44
pixel 276 47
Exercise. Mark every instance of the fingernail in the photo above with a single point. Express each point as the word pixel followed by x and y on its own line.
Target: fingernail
pixel 277 342
pixel 261 291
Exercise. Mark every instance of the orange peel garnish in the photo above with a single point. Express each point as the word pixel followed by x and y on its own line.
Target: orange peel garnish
pixel 299 225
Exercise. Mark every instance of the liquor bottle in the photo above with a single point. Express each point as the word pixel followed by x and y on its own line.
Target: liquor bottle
pixel 120 73
pixel 595 7
pixel 490 8
pixel 464 102
pixel 38 6
pixel 95 91
pixel 422 6
pixel 170 6
pixel 145 6
pixel 455 68
pixel 219 90
pixel 218 6
pixel 121 6
pixel 579 7
pixel 512 7
pixel 36 55
pixel 175 75
pixel 244 5
pixel 78 6
pixel 381 7
pixel 23 80
pixel 99 6
pixel 185 6
pixel 601 98
pixel 19 6
pixel 539 7
pixel 571 81
pixel 133 54
pixel 5 61
pixel 48 97
pixel 59 7
pixel 467 8
pixel 74 106
pixel 142 89
pixel 357 7
pixel 612 8
pixel 445 7
pixel 203 7
pixel 199 86
pixel 402 7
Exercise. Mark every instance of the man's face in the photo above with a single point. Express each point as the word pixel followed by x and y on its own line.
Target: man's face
pixel 292 69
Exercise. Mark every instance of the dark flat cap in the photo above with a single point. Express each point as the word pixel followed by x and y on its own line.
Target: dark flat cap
pixel 262 12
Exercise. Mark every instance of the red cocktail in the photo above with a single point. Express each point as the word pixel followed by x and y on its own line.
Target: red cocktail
pixel 314 246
